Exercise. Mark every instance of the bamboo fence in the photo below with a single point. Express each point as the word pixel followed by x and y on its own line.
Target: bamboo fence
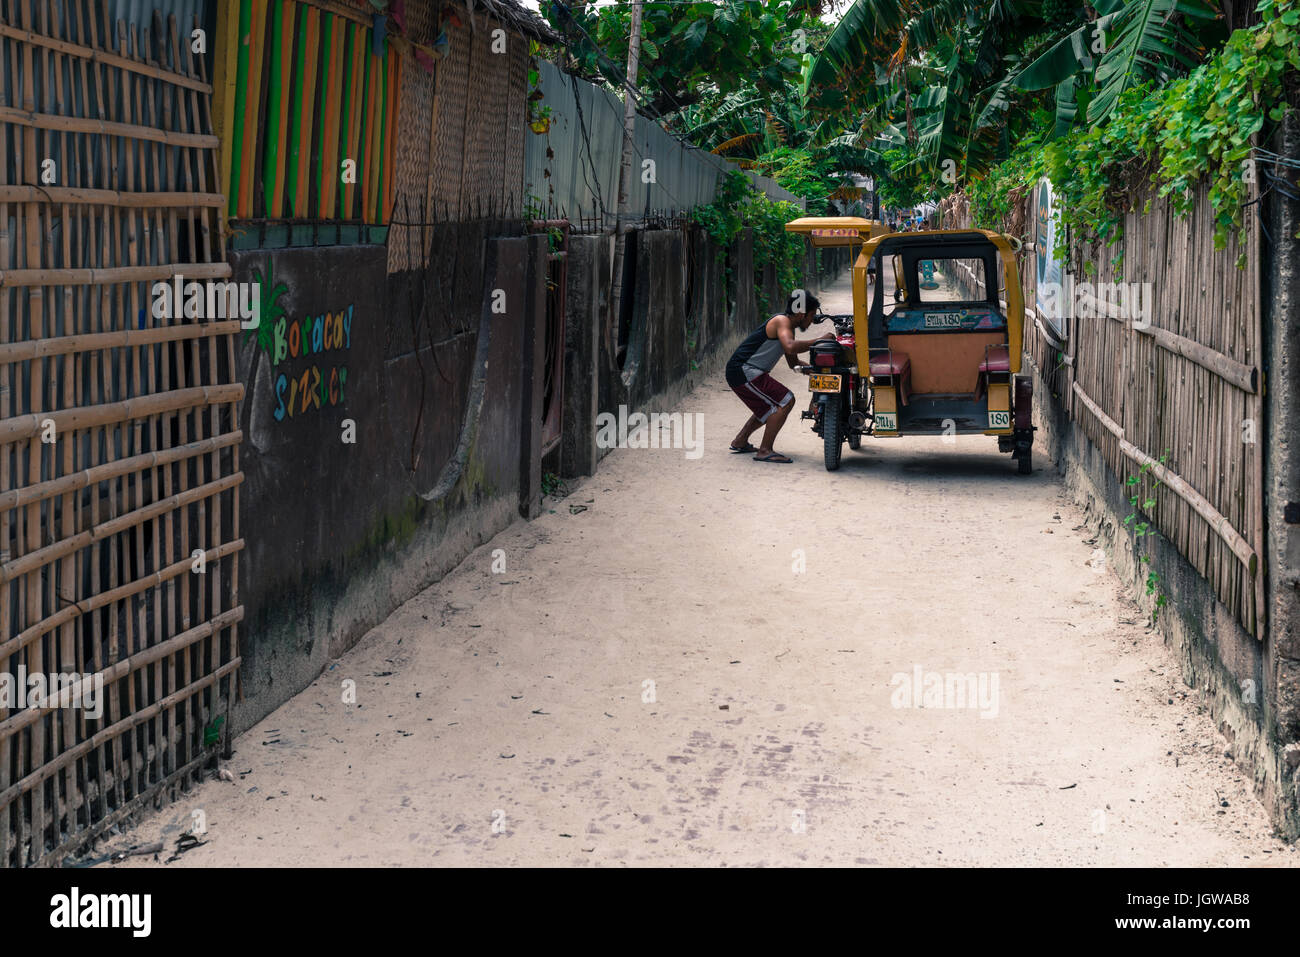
pixel 1182 396
pixel 119 441
pixel 307 93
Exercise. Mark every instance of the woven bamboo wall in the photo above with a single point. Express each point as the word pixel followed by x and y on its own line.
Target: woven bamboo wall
pixel 411 158
pixel 118 429
pixel 478 114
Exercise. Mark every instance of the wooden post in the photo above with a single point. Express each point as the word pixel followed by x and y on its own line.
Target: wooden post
pixel 614 316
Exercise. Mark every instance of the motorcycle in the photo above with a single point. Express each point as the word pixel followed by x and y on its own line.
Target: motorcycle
pixel 840 407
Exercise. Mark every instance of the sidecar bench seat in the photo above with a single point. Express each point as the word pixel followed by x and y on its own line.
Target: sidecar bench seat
pixel 997 359
pixel 897 364
pixel 890 363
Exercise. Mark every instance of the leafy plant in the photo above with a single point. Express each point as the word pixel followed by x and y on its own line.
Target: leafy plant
pixel 688 48
pixel 539 114
pixel 554 486
pixel 212 733
pixel 1142 529
pixel 740 206
pixel 1169 139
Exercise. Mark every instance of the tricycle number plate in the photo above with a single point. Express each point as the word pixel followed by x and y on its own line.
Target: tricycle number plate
pixel 886 422
pixel 823 383
pixel 999 420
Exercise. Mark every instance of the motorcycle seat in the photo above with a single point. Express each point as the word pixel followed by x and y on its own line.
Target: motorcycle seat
pixel 996 359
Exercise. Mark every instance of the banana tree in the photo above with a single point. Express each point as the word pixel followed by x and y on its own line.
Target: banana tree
pixel 957 82
pixel 1125 45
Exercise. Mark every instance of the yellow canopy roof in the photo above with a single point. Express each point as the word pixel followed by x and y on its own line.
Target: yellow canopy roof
pixel 836 230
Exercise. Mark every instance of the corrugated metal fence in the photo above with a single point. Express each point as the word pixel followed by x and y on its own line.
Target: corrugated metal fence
pixel 580 177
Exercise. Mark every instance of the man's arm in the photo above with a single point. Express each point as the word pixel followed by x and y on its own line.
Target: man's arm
pixel 791 345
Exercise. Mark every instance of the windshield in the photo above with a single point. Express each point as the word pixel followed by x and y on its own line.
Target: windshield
pixel 951 280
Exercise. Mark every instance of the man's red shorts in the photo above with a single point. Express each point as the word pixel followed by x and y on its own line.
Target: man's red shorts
pixel 764 395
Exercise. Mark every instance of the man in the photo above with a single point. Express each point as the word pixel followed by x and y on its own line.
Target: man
pixel 749 367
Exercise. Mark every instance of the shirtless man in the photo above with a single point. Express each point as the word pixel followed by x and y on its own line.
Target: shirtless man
pixel 749 367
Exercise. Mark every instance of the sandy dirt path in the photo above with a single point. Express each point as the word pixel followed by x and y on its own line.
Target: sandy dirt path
pixel 505 719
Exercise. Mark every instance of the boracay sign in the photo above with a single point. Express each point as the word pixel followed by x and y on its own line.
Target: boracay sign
pixel 320 384
pixel 322 337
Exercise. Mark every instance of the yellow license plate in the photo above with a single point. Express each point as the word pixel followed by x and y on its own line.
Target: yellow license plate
pixel 823 383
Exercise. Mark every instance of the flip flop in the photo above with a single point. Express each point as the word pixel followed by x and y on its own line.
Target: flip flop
pixel 749 447
pixel 776 457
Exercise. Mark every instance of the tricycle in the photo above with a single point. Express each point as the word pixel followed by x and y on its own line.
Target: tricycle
pixel 940 343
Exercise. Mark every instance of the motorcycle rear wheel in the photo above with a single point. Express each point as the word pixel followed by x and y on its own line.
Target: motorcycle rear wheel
pixel 832 436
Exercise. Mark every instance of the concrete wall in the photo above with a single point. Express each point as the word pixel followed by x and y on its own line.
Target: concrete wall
pixel 338 533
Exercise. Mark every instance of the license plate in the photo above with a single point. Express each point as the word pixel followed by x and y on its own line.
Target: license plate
pixel 999 420
pixel 824 383
pixel 886 422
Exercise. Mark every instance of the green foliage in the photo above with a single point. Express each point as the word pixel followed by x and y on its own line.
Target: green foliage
pixel 957 81
pixel 908 181
pixel 1143 529
pixel 687 48
pixel 212 733
pixel 808 174
pixel 535 211
pixel 1146 38
pixel 722 219
pixel 1194 128
pixel 1099 173
pixel 740 206
pixel 991 195
pixel 772 244
pixel 539 114
pixel 1206 119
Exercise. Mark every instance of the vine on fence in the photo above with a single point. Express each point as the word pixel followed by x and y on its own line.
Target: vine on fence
pixel 1142 529
pixel 1172 137
pixel 739 206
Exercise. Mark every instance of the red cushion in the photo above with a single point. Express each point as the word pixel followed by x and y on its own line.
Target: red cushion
pixel 890 363
pixel 997 359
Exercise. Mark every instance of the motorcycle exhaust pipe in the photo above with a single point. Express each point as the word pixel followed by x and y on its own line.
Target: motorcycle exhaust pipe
pixel 857 421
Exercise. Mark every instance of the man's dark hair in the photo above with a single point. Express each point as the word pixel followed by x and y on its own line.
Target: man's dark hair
pixel 810 302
